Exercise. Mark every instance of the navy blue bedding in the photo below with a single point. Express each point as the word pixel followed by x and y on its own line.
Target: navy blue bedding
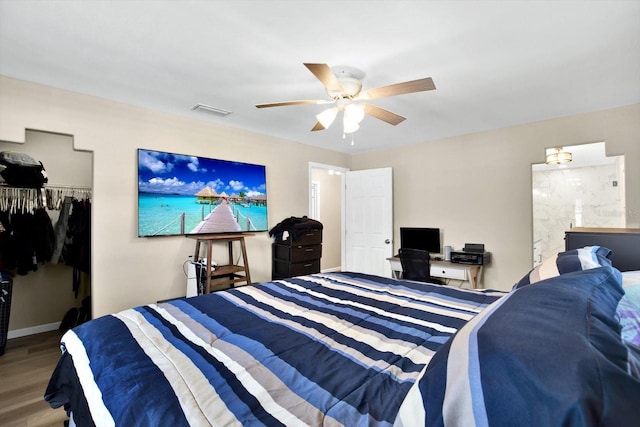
pixel 326 349
pixel 352 349
pixel 548 354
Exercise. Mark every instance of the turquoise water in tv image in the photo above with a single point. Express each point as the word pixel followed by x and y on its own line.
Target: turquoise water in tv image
pixel 161 214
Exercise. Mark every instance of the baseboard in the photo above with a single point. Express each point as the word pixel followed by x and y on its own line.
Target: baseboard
pixel 17 333
pixel 331 270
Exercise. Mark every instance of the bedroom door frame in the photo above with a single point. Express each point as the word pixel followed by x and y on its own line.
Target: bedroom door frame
pixel 342 171
pixel 385 268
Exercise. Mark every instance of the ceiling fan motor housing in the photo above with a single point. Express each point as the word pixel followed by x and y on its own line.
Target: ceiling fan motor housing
pixel 351 86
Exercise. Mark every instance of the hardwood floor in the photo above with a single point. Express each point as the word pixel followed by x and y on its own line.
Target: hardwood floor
pixel 25 369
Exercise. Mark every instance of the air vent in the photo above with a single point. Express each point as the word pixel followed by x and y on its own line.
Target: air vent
pixel 210 109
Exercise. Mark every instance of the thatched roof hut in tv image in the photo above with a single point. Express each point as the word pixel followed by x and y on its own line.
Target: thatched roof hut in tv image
pixel 207 196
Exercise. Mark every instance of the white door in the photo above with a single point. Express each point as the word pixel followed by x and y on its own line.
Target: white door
pixel 369 221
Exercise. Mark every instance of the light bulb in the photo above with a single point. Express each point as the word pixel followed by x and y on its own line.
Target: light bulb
pixel 354 113
pixel 327 116
pixel 350 127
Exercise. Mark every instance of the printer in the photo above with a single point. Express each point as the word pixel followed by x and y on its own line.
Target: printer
pixel 473 253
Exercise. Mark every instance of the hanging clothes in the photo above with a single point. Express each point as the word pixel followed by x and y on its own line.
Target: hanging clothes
pixel 27 236
pixel 61 228
pixel 43 236
pixel 21 243
pixel 7 255
pixel 78 244
pixel 29 240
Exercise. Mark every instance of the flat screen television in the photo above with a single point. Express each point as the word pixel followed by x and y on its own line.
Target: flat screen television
pixel 427 239
pixel 180 194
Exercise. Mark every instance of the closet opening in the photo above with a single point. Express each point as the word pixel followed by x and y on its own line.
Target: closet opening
pixel 43 292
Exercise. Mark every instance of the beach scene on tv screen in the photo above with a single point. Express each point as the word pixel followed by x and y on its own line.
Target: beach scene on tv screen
pixel 182 194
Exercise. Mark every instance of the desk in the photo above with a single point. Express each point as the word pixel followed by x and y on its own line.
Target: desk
pixel 470 273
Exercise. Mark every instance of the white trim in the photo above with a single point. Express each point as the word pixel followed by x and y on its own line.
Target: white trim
pixel 314 205
pixel 32 330
pixel 331 270
pixel 343 172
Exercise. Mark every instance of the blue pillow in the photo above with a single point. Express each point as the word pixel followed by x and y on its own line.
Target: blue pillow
pixel 549 354
pixel 567 262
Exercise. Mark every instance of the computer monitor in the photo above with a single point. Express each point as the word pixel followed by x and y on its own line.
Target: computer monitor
pixel 427 239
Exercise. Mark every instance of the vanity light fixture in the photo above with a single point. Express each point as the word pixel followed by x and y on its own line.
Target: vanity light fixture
pixel 558 156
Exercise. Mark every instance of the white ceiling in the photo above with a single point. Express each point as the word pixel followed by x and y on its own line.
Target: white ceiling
pixel 494 63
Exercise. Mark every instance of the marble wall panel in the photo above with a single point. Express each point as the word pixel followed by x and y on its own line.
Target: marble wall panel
pixel 574 197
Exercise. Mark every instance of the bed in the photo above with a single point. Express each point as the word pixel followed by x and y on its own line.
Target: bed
pixel 354 349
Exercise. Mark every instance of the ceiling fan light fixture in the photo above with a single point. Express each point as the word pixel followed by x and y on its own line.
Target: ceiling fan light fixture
pixel 350 127
pixel 327 117
pixel 353 113
pixel 344 86
pixel 558 156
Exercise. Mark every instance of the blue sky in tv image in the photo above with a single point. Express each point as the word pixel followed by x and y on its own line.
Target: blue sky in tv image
pixel 180 194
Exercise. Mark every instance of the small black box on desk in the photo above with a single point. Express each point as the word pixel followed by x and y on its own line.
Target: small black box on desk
pixel 471 257
pixel 473 253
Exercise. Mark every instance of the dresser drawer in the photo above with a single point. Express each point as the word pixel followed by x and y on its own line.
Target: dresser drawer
pixel 283 269
pixel 309 237
pixel 296 253
pixel 448 272
pixel 302 268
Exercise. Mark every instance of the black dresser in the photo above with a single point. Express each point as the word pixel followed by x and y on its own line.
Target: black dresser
pixel 297 256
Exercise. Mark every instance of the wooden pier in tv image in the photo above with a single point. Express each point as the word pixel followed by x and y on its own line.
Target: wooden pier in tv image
pixel 219 213
pixel 223 218
pixel 220 219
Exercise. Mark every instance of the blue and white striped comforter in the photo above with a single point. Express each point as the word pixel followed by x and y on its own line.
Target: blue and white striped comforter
pixel 326 349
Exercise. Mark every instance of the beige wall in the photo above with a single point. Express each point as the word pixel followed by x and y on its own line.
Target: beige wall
pixel 128 270
pixel 477 187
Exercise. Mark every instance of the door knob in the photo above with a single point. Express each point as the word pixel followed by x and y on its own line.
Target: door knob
pixel 387 241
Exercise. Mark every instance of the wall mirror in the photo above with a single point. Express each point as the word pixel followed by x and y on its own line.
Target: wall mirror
pixel 580 187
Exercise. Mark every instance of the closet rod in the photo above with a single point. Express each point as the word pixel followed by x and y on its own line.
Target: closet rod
pixel 50 187
pixel 69 187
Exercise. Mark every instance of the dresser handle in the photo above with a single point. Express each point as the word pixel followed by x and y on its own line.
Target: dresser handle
pixel 307 265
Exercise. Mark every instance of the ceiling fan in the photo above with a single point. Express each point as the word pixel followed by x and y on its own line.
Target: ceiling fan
pixel 344 87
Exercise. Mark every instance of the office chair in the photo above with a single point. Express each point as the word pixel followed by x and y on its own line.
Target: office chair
pixel 416 265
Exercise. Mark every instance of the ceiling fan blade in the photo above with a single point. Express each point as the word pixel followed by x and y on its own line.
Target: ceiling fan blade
pixel 318 126
pixel 382 114
pixel 326 76
pixel 301 102
pixel 412 86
